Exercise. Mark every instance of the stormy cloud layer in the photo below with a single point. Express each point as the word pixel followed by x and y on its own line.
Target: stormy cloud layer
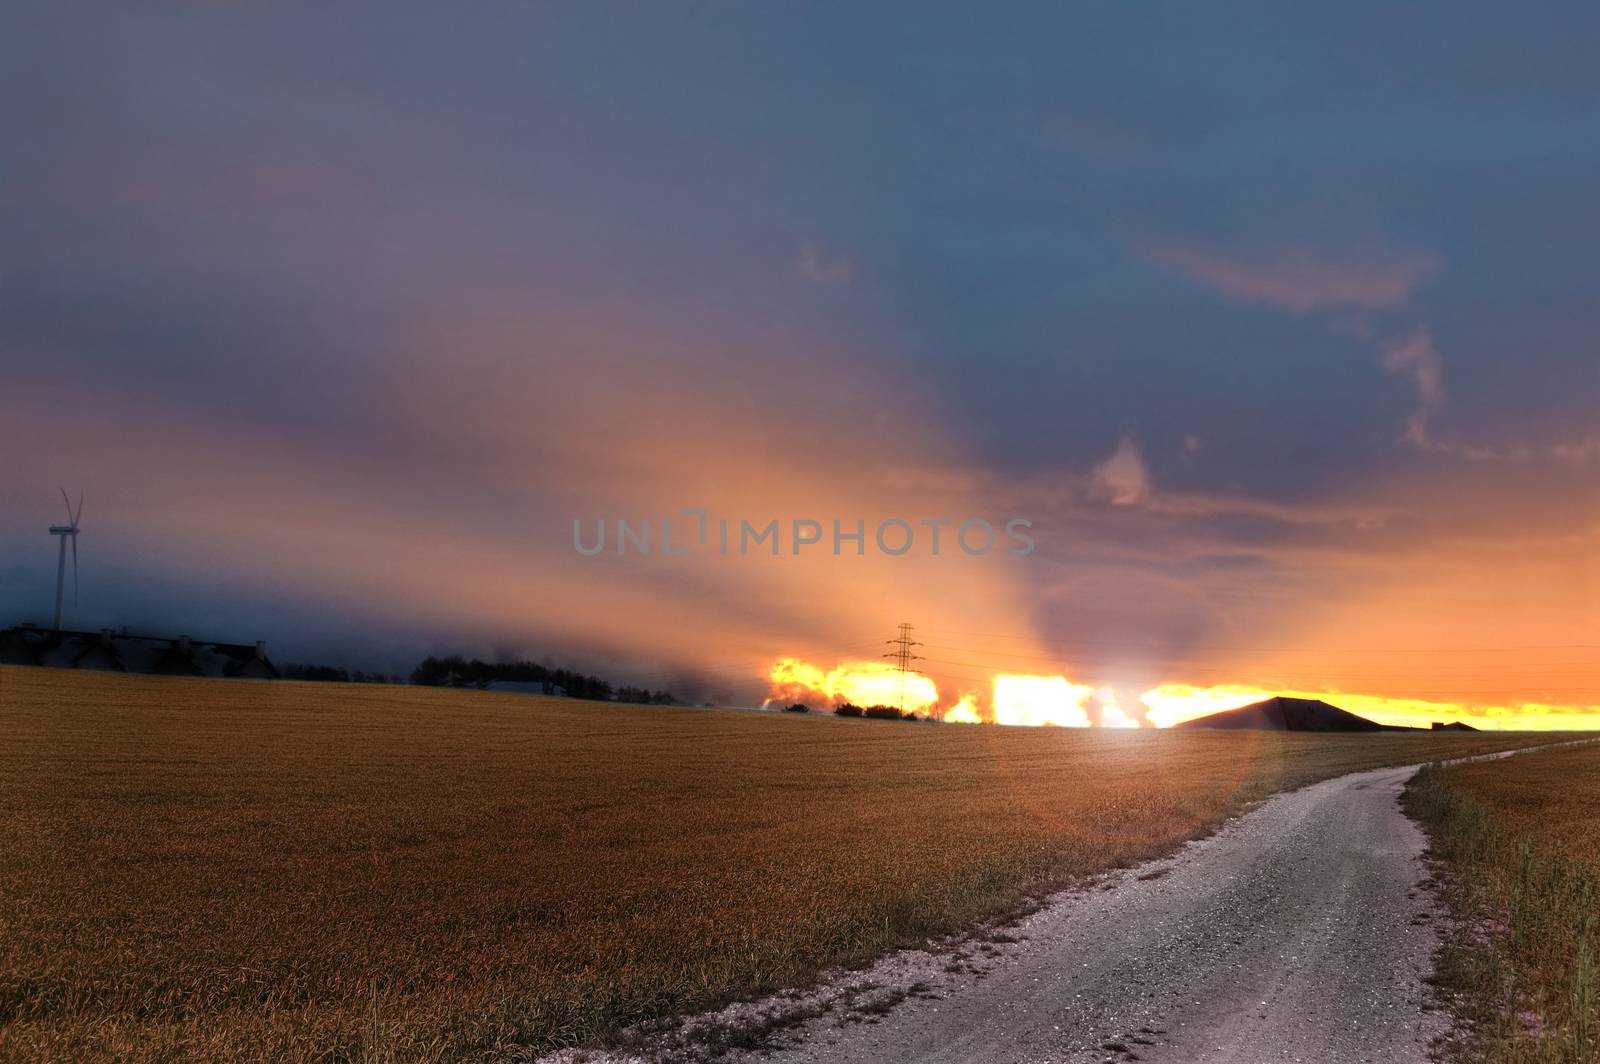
pixel 1279 325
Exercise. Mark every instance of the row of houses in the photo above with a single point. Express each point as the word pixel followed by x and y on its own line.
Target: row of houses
pixel 119 651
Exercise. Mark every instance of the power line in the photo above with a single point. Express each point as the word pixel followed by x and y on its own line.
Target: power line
pixel 1256 649
pixel 1396 672
pixel 1182 654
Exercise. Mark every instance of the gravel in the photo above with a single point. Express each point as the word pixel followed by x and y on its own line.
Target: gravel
pixel 1301 931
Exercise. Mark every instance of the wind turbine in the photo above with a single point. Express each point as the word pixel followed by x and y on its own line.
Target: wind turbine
pixel 70 529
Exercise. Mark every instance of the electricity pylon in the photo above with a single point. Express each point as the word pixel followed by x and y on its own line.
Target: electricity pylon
pixel 902 658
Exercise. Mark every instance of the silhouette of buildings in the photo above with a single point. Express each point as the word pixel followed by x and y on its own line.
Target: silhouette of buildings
pixel 121 652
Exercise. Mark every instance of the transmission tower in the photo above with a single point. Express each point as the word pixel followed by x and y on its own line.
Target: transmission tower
pixel 902 657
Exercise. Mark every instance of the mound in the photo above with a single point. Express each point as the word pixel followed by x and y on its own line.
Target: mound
pixel 1289 714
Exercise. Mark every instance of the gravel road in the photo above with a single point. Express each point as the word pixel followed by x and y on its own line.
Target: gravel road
pixel 1299 932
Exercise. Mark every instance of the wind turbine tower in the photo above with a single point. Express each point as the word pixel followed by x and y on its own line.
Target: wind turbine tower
pixel 65 532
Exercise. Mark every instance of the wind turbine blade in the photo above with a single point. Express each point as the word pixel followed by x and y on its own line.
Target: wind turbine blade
pixel 79 515
pixel 68 504
pixel 74 567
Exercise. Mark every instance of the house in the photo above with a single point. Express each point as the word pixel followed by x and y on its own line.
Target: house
pixel 124 652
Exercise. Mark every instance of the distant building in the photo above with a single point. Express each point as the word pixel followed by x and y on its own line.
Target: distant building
pixel 122 652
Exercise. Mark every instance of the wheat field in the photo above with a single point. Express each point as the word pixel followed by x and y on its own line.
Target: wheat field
pixel 1521 839
pixel 232 870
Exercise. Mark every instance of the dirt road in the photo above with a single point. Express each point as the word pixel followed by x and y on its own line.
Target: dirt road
pixel 1299 932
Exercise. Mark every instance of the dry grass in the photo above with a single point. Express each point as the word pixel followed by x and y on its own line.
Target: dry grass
pixel 216 870
pixel 1522 839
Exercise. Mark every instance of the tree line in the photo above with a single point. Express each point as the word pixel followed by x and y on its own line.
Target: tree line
pixel 334 674
pixel 457 671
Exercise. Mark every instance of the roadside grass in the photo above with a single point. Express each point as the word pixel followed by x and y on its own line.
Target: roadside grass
pixel 1520 839
pixel 230 870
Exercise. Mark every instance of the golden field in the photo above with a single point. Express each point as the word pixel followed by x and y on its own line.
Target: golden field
pixel 1521 839
pixel 230 870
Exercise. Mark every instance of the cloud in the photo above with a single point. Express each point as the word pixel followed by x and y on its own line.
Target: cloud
pixel 1123 478
pixel 1415 356
pixel 1299 280
pixel 1578 452
pixel 1303 281
pixel 1202 506
pixel 816 266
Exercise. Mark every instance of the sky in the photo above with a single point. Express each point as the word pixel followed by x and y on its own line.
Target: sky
pixel 1277 325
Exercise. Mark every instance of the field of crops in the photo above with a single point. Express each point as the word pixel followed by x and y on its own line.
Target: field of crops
pixel 228 870
pixel 1521 838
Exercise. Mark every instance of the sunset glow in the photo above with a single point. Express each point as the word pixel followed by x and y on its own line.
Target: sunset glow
pixel 1173 703
pixel 1020 700
pixel 965 711
pixel 1043 701
pixel 1040 700
pixel 861 683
